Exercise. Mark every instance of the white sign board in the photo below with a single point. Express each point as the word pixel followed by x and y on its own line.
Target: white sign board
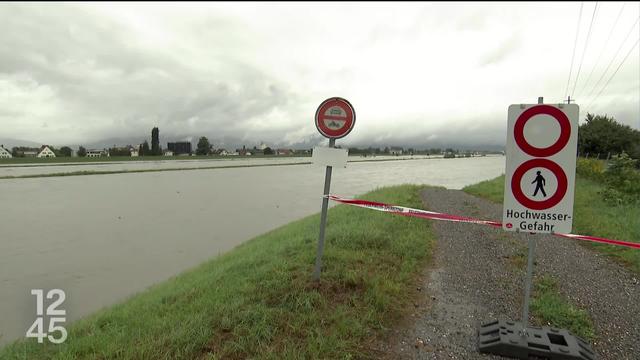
pixel 541 167
pixel 325 156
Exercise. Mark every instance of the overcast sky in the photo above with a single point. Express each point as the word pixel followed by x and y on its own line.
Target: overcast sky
pixel 75 73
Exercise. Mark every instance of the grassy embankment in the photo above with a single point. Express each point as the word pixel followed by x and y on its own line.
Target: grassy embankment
pixel 592 216
pixel 258 300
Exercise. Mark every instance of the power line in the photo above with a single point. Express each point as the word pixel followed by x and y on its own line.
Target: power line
pixel 615 72
pixel 586 44
pixel 613 58
pixel 575 45
pixel 606 42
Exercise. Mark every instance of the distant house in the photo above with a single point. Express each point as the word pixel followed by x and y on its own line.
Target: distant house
pixel 134 151
pixel 168 153
pixel 96 153
pixel 45 152
pixel 284 152
pixel 29 153
pixel 396 151
pixel 4 153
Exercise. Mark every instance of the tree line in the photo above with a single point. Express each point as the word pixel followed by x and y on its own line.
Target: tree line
pixel 602 136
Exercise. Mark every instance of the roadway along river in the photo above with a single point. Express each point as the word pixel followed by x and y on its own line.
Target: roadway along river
pixel 101 238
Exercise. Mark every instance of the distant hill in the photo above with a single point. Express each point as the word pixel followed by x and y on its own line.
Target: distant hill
pixel 8 143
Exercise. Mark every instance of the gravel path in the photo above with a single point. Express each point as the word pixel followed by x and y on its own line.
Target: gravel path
pixel 477 275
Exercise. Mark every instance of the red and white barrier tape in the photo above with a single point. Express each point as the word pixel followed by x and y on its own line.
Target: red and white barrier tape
pixel 424 214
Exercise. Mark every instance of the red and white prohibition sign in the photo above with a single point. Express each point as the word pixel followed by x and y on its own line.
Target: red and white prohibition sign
pixel 335 118
pixel 523 144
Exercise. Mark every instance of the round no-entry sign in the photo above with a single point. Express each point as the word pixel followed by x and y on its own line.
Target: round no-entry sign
pixel 335 118
pixel 558 115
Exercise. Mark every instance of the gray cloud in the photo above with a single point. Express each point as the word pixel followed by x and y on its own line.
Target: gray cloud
pixel 74 73
pixel 502 51
pixel 98 76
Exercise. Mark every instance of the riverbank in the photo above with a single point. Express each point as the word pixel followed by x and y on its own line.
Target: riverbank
pixel 111 159
pixel 258 300
pixel 42 170
pixel 105 238
pixel 78 161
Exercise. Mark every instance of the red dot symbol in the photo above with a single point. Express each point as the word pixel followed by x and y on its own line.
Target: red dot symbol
pixel 509 225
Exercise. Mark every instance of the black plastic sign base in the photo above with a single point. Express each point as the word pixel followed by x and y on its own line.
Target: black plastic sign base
pixel 504 338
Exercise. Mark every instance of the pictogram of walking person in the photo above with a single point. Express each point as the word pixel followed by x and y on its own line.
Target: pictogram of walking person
pixel 540 183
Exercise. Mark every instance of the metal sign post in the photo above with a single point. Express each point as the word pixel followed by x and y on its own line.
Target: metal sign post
pixel 527 285
pixel 323 217
pixel 529 277
pixel 334 119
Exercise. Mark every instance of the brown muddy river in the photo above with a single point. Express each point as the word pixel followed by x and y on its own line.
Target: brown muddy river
pixel 101 238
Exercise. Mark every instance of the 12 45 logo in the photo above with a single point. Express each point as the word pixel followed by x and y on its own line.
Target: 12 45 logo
pixel 54 314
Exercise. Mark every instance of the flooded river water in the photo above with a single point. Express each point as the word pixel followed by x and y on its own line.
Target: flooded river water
pixel 101 238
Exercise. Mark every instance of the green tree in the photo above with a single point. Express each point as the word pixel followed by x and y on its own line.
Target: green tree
pixel 203 146
pixel 603 135
pixel 82 152
pixel 267 151
pixel 65 151
pixel 145 149
pixel 155 142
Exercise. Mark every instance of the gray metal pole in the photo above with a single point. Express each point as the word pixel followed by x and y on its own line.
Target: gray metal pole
pixel 529 277
pixel 323 217
pixel 527 283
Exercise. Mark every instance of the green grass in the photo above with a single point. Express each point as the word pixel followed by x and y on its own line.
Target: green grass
pixel 591 216
pixel 554 309
pixel 258 300
pixel 489 189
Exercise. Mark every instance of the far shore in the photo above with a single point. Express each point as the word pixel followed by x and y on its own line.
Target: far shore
pixel 122 171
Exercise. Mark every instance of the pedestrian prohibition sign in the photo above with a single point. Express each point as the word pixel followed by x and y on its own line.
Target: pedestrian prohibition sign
pixel 335 118
pixel 540 168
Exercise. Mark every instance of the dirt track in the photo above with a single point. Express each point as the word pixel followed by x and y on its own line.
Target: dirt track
pixel 477 275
